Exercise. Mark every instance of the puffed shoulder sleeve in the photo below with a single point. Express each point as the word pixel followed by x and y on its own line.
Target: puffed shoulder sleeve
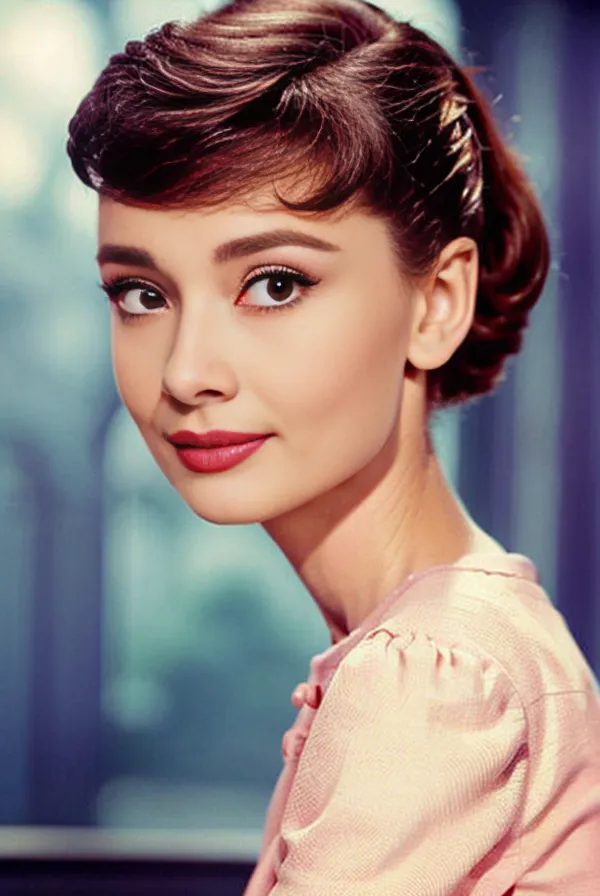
pixel 412 778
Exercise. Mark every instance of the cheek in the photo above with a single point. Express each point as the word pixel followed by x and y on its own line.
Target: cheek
pixel 346 377
pixel 137 382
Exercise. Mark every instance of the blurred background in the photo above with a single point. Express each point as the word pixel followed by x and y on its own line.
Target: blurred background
pixel 147 658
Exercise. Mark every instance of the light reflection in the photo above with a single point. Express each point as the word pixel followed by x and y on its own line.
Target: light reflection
pixel 49 55
pixel 22 165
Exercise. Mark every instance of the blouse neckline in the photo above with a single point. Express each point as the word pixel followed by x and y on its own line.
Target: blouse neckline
pixel 507 563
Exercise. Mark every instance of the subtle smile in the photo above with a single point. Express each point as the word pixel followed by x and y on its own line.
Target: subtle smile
pixel 215 451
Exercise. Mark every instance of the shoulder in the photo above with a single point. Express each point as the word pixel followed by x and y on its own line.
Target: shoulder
pixel 408 721
pixel 507 620
pixel 451 646
pixel 444 685
pixel 500 642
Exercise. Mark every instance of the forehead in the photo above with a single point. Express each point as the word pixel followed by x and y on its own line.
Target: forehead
pixel 349 227
pixel 262 201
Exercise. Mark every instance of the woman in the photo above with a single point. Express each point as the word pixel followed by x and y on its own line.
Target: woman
pixel 313 237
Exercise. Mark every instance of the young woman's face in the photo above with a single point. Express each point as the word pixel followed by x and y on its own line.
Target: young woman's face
pixel 316 363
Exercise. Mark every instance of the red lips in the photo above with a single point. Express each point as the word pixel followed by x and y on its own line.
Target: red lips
pixel 215 451
pixel 216 438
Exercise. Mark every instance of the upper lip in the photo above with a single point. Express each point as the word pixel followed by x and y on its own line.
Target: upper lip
pixel 216 438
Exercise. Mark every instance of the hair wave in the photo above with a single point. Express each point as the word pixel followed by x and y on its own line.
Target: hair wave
pixel 358 109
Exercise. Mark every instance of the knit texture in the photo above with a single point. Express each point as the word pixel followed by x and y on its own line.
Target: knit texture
pixel 455 750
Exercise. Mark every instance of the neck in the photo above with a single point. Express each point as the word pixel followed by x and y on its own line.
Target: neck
pixel 352 546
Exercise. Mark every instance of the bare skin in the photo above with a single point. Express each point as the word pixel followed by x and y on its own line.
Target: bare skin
pixel 348 485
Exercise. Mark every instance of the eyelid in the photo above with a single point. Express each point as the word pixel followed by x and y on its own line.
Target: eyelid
pixel 119 284
pixel 114 286
pixel 303 282
pixel 124 282
pixel 261 272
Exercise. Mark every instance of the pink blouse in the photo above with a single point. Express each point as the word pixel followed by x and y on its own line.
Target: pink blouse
pixel 448 745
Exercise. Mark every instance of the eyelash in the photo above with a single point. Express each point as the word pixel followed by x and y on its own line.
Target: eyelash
pixel 116 286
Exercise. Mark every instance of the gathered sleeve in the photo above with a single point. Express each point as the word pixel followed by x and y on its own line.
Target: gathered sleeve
pixel 412 779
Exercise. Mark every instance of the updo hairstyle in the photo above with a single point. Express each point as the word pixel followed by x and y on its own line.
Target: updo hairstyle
pixel 377 113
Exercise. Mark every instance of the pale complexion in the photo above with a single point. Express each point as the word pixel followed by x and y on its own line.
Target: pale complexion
pixel 348 486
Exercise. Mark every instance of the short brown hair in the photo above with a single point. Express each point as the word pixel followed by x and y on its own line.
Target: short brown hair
pixel 206 112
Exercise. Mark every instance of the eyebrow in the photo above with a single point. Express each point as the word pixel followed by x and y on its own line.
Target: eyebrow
pixel 246 245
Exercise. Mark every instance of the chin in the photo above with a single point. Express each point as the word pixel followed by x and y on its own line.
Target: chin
pixel 233 516
pixel 250 494
pixel 229 507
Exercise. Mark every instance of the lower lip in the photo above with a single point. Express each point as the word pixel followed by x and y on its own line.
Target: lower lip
pixel 215 460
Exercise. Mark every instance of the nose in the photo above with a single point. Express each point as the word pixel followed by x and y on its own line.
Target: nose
pixel 198 369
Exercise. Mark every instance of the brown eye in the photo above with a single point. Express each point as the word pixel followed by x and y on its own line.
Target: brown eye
pixel 272 289
pixel 148 298
pixel 122 291
pixel 280 287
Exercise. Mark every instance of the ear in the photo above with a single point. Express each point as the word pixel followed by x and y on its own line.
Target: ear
pixel 444 305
